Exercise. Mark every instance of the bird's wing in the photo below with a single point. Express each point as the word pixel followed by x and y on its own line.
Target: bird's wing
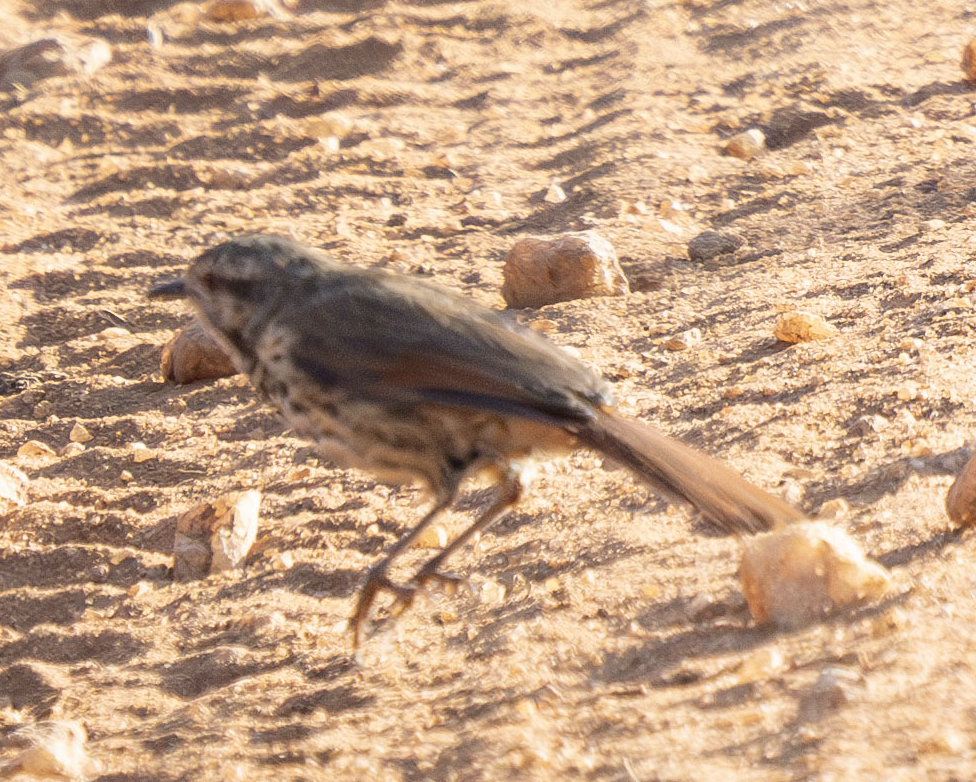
pixel 402 339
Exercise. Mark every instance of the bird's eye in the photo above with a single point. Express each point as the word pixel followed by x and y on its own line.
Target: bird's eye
pixel 208 280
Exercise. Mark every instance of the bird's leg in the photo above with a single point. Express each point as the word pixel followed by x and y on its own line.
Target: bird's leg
pixel 509 491
pixel 377 579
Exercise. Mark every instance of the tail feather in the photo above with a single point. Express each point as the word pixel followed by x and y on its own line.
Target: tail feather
pixel 682 473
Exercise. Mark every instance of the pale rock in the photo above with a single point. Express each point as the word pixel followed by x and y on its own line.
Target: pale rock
pixel 13 487
pixel 960 502
pixel 795 575
pixel 215 536
pixel 540 271
pixel 684 340
pixel 282 560
pixel 141 453
pixel 193 354
pixel 803 327
pixel 79 434
pixel 968 63
pixel 55 750
pixel 746 145
pixel 234 533
pixel 555 194
pixel 71 449
pixel 434 536
pixel 35 448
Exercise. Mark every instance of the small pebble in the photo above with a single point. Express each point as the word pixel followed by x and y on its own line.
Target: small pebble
pixel 889 622
pixel 651 590
pixel 803 327
pixel 492 593
pixel 703 608
pixel 685 340
pixel 792 491
pixel 906 419
pixel 283 560
pixel 329 126
pixel 71 449
pixel 555 194
pixel 760 665
pixel 383 148
pixel 112 333
pixel 79 434
pixel 834 687
pixel 231 11
pixel 140 453
pixel 711 244
pixel 138 589
pixel 35 448
pixel 836 508
pixel 234 532
pixel 908 391
pixel 544 326
pixel 435 536
pixel 40 59
pixel 746 145
pixel 215 536
pixel 697 173
pixel 868 424
pixel 154 35
pixel 13 487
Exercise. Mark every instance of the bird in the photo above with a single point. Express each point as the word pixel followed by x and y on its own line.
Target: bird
pixel 413 382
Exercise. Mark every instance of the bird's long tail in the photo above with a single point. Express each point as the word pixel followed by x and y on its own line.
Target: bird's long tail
pixel 680 472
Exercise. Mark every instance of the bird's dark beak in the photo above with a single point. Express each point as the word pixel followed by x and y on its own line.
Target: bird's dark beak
pixel 175 289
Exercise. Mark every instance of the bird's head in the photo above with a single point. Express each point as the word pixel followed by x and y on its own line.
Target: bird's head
pixel 239 280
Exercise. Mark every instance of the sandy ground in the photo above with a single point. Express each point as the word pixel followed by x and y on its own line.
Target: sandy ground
pixel 606 637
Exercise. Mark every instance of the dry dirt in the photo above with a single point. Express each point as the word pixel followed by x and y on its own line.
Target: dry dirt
pixel 606 637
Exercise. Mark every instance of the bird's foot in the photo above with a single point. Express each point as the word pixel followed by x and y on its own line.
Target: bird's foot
pixel 377 581
pixel 430 575
pixel 403 594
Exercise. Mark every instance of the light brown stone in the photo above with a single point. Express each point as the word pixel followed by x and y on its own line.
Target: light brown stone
pixel 215 536
pixel 795 575
pixel 194 355
pixel 968 63
pixel 540 271
pixel 803 327
pixel 961 499
pixel 13 487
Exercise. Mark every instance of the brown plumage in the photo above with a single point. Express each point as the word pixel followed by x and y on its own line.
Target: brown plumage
pixel 410 381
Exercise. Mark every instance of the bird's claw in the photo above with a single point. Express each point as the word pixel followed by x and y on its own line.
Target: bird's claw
pixel 377 581
pixel 403 594
pixel 450 581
